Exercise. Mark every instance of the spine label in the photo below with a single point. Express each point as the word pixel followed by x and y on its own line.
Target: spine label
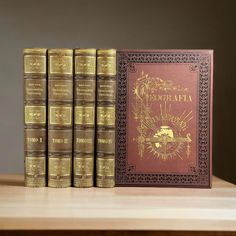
pixel 60 89
pixel 35 89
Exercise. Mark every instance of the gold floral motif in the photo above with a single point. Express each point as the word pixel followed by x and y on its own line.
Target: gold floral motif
pixel 61 64
pixel 106 116
pixel 106 66
pixel 85 65
pixel 84 115
pixel 59 167
pixel 35 114
pixel 60 115
pixel 35 166
pixel 105 166
pixel 83 166
pixel 34 64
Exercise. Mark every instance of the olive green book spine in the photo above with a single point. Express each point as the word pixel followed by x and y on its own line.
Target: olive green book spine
pixel 84 117
pixel 60 117
pixel 35 86
pixel 105 118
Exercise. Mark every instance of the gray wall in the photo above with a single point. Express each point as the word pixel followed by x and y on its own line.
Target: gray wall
pixel 119 24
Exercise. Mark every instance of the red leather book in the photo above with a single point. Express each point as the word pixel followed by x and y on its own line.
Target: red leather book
pixel 164 118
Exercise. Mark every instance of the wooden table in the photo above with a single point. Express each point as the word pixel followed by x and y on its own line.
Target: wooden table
pixel 117 208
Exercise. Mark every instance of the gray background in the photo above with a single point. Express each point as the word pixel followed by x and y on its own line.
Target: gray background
pixel 119 24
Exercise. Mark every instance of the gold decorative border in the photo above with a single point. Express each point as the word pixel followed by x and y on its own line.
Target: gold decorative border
pixel 61 108
pixel 39 122
pixel 38 66
pixel 88 110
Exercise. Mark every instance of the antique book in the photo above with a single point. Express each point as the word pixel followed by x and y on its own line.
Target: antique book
pixel 84 117
pixel 164 118
pixel 60 111
pixel 105 119
pixel 35 116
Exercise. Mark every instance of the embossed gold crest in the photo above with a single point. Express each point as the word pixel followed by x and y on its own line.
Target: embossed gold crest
pixel 106 116
pixel 59 167
pixel 60 115
pixel 35 114
pixel 164 135
pixel 105 167
pixel 85 65
pixel 84 115
pixel 61 64
pixel 83 166
pixel 34 64
pixel 35 166
pixel 106 65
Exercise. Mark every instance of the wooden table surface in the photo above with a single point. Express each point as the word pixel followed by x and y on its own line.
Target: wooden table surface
pixel 116 208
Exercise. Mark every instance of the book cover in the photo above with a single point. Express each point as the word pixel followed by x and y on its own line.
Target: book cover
pixel 84 116
pixel 105 119
pixel 164 118
pixel 60 117
pixel 35 73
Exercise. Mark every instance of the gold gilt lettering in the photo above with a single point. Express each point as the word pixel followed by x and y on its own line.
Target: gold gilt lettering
pixel 62 89
pixel 84 140
pixel 106 86
pixel 84 91
pixel 104 141
pixel 34 88
pixel 171 98
pixel 106 92
pixel 60 140
pixel 34 140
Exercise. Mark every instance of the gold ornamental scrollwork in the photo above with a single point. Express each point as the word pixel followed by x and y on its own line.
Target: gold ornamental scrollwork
pixel 163 134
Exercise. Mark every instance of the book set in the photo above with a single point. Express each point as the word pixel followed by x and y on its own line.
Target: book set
pixel 111 117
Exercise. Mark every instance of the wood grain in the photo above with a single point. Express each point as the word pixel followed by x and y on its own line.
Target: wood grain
pixel 111 233
pixel 117 208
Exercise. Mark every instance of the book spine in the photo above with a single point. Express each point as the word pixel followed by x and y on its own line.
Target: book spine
pixel 60 123
pixel 84 116
pixel 105 118
pixel 35 73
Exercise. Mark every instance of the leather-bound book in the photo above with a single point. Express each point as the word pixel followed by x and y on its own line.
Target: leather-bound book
pixel 164 118
pixel 84 117
pixel 60 119
pixel 105 118
pixel 35 72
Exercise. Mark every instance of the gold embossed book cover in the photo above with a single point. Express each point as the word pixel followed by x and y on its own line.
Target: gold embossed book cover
pixel 164 118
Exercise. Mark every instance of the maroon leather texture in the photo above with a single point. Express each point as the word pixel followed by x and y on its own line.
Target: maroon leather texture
pixel 164 118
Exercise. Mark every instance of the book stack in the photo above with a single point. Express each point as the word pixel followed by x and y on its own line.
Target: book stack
pixel 111 117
